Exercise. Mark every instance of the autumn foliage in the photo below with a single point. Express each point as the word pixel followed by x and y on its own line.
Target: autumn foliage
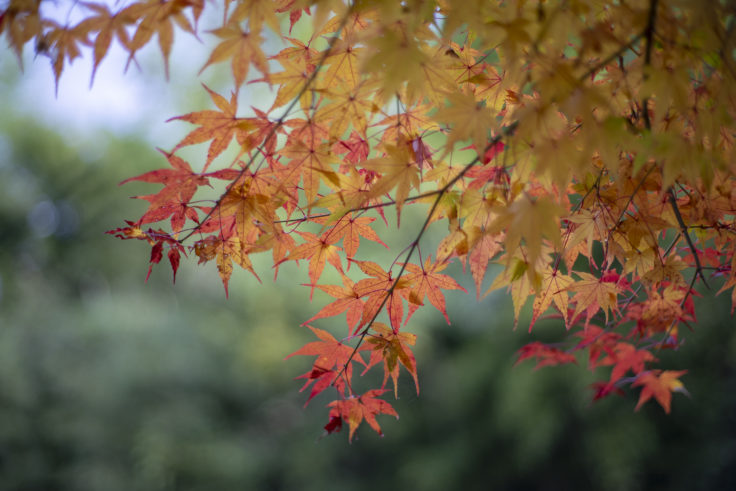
pixel 586 147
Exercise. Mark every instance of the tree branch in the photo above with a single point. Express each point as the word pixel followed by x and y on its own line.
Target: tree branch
pixel 683 231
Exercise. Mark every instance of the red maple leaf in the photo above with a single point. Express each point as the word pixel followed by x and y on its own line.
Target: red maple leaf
pixel 355 409
pixel 333 358
pixel 597 341
pixel 626 357
pixel 545 355
pixel 180 184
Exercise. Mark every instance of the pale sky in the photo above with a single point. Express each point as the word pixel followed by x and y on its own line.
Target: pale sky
pixel 137 102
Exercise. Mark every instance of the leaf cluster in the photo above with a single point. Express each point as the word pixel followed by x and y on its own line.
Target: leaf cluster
pixel 586 147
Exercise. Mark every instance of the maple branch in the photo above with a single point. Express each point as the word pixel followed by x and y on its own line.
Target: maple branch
pixel 608 59
pixel 280 121
pixel 683 231
pixel 361 208
pixel 506 131
pixel 649 34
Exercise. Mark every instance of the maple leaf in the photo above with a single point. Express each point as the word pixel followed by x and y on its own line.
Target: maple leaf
pixel 348 299
pixel 350 228
pixel 174 254
pixel 490 153
pixel 22 22
pixel 545 355
pixel 380 289
pixel 553 290
pixel 333 358
pixel 403 127
pixel 429 283
pixel 291 82
pixel 517 279
pixel 597 341
pixel 468 118
pixel 626 357
pixel 61 43
pixel 256 12
pixel 391 348
pixel 106 25
pixel 659 384
pixel 295 11
pixel 529 219
pixel 594 294
pixel 356 146
pixel 485 248
pixel 350 193
pixel 224 251
pixel 343 63
pixel 398 171
pixel 243 48
pixel 311 161
pixel 299 52
pixel 604 389
pixel 156 17
pixel 348 107
pixel 219 126
pixel 157 239
pixel 355 409
pixel 318 250
pixel 180 184
pixel 250 203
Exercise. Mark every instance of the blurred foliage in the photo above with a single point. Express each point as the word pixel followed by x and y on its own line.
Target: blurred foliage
pixel 109 384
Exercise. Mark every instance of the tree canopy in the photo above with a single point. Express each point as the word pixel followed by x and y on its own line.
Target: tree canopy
pixel 585 147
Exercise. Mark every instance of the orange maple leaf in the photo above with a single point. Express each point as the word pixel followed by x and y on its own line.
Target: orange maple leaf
pixel 429 283
pixel 594 294
pixel 318 250
pixel 224 251
pixel 219 126
pixel 393 349
pixel 61 43
pixel 106 25
pixel 380 289
pixel 347 299
pixel 659 384
pixel 398 171
pixel 553 290
pixel 242 48
pixel 350 229
pixel 157 17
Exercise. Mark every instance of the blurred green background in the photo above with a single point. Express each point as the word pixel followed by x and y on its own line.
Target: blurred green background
pixel 107 383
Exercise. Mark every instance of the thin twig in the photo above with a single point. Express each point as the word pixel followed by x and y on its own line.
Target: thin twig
pixel 683 231
pixel 361 208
